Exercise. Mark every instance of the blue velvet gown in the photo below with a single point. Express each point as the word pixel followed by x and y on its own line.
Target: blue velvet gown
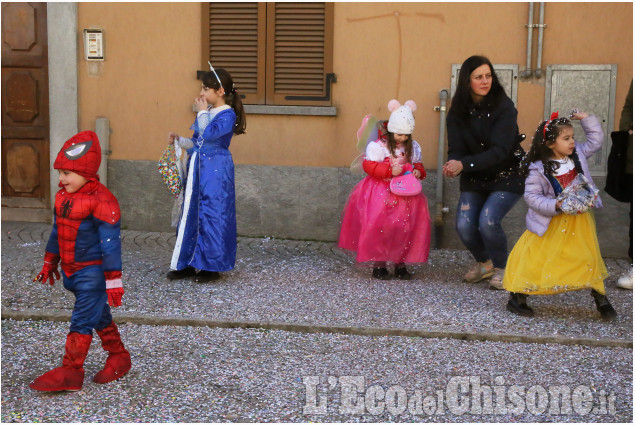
pixel 206 233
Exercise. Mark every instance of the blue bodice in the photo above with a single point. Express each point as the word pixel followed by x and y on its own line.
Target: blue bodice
pixel 216 136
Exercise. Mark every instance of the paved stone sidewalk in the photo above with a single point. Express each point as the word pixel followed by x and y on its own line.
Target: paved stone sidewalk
pixel 313 286
pixel 418 339
pixel 200 374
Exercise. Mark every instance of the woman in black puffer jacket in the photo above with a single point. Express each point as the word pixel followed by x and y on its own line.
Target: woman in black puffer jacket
pixel 484 149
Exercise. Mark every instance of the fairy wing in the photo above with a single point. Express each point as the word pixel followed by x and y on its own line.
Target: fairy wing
pixel 367 133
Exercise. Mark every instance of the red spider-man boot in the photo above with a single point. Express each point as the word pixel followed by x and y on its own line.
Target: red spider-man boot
pixel 69 377
pixel 118 361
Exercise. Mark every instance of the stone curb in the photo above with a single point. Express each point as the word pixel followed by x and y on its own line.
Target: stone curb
pixel 63 316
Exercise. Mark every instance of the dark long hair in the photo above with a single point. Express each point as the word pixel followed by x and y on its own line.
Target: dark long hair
pixel 540 150
pixel 462 99
pixel 232 98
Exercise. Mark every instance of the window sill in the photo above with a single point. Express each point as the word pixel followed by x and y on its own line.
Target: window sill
pixel 329 111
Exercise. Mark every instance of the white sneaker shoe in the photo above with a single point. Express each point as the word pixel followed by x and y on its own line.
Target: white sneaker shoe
pixel 626 281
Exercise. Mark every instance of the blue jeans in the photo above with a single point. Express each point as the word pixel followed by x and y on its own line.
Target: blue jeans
pixel 478 223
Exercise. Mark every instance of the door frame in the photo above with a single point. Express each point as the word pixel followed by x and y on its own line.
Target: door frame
pixel 63 80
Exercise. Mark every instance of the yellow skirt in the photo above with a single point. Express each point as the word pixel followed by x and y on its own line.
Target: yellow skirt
pixel 566 258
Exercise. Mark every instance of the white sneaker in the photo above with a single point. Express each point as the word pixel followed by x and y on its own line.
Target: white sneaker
pixel 626 281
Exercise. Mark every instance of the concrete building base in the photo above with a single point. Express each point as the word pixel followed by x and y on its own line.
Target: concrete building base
pixel 306 203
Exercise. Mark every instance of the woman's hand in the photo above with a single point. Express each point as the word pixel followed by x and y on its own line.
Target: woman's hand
pixel 201 103
pixel 579 115
pixel 558 205
pixel 172 136
pixel 452 168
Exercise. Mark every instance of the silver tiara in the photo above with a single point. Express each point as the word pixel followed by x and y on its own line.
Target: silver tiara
pixel 211 68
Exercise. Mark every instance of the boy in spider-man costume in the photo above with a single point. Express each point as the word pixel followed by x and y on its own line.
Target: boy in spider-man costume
pixel 86 238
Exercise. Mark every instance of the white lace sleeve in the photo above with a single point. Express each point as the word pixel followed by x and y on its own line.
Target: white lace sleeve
pixel 416 152
pixel 184 143
pixel 202 119
pixel 375 152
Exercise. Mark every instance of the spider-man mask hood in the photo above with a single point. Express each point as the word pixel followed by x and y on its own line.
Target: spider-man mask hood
pixel 80 154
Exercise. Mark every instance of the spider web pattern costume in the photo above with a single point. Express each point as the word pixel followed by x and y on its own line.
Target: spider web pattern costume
pixel 86 239
pixel 86 230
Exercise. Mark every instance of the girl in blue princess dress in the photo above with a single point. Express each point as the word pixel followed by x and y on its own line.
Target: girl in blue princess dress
pixel 206 232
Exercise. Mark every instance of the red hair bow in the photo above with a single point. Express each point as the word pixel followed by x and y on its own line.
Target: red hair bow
pixel 554 116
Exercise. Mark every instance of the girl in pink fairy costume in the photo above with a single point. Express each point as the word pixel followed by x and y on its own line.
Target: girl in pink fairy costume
pixel 381 227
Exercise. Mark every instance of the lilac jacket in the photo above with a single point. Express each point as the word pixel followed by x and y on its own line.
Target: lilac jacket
pixel 539 194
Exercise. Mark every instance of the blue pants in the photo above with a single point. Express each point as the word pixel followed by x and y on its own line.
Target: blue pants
pixel 478 223
pixel 91 310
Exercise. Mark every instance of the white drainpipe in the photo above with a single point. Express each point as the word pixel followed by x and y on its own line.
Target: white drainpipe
pixel 541 27
pixel 438 220
pixel 102 128
pixel 530 28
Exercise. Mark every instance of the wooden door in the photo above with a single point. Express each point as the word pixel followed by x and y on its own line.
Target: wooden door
pixel 25 113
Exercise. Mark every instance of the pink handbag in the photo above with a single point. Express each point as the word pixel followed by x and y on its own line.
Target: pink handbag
pixel 405 185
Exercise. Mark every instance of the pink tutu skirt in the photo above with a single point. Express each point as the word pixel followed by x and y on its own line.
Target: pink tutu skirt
pixel 380 226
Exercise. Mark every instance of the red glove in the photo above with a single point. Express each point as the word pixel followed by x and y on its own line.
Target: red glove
pixel 49 270
pixel 114 288
pixel 114 296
